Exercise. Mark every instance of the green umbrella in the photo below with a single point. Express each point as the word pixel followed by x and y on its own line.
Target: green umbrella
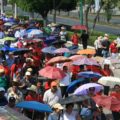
pixel 9 38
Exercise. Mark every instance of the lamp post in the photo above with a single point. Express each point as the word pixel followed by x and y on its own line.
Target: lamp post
pixel 81 12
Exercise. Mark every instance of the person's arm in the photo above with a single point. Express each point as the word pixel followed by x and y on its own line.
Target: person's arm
pixel 78 117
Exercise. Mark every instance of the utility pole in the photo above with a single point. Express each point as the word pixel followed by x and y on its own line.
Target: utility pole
pixel 81 12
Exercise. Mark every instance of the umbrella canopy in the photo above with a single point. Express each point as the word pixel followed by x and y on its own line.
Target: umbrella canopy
pixel 83 89
pixel 9 23
pixel 62 50
pixel 73 99
pixel 76 57
pixel 86 61
pixel 52 73
pixel 58 59
pixel 58 42
pixel 89 74
pixel 99 59
pixel 21 51
pixel 33 32
pixel 9 39
pixel 49 49
pixel 109 81
pixel 79 27
pixel 108 102
pixel 86 51
pixel 72 85
pixel 33 105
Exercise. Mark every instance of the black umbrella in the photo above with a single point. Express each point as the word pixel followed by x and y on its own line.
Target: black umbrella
pixel 21 51
pixel 58 42
pixel 73 99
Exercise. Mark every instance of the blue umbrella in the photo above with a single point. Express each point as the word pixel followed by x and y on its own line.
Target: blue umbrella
pixel 72 85
pixel 49 50
pixel 89 74
pixel 8 49
pixel 50 39
pixel 33 105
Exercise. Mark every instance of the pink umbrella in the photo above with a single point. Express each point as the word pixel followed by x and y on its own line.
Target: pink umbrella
pixel 52 73
pixel 86 61
pixel 73 58
pixel 62 50
pixel 79 27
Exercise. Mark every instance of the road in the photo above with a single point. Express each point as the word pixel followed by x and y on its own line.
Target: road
pixel 70 22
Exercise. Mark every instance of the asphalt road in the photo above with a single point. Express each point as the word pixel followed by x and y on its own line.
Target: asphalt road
pixel 70 22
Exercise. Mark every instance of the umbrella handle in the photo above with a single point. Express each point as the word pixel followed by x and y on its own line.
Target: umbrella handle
pixel 33 113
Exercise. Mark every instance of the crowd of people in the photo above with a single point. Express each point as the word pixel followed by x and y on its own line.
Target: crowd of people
pixel 19 79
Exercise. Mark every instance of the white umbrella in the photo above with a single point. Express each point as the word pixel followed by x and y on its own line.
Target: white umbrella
pixel 109 81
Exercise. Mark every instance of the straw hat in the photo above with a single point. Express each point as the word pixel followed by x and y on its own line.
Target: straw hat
pixel 32 88
pixel 28 73
pixel 29 70
pixel 107 62
pixel 58 106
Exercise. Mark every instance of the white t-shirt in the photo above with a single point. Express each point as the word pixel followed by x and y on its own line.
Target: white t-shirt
pixel 66 80
pixel 63 35
pixel 52 98
pixel 71 116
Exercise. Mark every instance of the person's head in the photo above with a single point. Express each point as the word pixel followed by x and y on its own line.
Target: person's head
pixel 63 28
pixel 91 91
pixel 58 108
pixel 2 72
pixel 53 86
pixel 2 92
pixel 11 55
pixel 106 64
pixel 39 84
pixel 65 68
pixel 117 88
pixel 28 75
pixel 11 102
pixel 69 108
pixel 115 42
pixel 32 90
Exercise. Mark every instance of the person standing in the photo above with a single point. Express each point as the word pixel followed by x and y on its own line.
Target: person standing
pixel 105 46
pixel 52 95
pixel 75 39
pixel 84 39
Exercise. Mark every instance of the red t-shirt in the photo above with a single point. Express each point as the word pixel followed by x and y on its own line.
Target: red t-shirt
pixel 75 39
pixel 114 94
pixel 113 48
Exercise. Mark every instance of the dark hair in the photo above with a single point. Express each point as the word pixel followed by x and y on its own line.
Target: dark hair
pixel 70 104
pixel 116 85
pixel 12 99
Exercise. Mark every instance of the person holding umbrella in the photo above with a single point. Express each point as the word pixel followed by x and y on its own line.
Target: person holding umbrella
pixel 75 39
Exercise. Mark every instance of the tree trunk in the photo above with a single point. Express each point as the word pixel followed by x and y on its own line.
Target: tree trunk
pixel 54 15
pixel 96 17
pixel 86 14
pixel 15 10
pixel 2 7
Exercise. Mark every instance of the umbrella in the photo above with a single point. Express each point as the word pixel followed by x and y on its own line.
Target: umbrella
pixel 99 59
pixel 86 61
pixel 109 81
pixel 9 38
pixel 86 51
pixel 58 42
pixel 49 49
pixel 58 59
pixel 33 105
pixel 52 73
pixel 10 49
pixel 83 89
pixel 50 39
pixel 21 51
pixel 108 102
pixel 9 24
pixel 89 74
pixel 62 50
pixel 72 85
pixel 76 57
pixel 73 99
pixel 79 27
pixel 33 32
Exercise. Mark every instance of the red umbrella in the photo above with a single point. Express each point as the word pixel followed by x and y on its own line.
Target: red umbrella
pixel 79 27
pixel 108 102
pixel 52 73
